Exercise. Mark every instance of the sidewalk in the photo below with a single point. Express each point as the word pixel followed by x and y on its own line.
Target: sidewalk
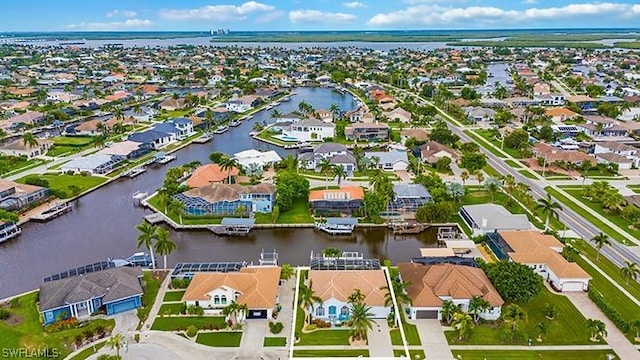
pixel 156 304
pixel 613 282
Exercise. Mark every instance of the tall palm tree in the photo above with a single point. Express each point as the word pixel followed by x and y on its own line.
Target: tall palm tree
pixel 116 342
pixel 548 207
pixel 630 271
pixel 164 245
pixel 137 109
pixel 176 207
pixel 231 311
pixel 339 172
pixel 514 314
pixel 597 328
pixel 360 321
pixel 478 305
pixel 275 114
pixel 356 297
pixel 542 328
pixel 163 199
pixel 600 241
pixel 448 309
pixel 118 113
pixel 98 141
pixel 228 163
pixel 146 238
pixel 334 109
pixel 463 323
pixel 492 187
pixel 464 176
pixel 325 168
pixel 308 299
pixel 29 140
pixel 480 177
pixel 400 290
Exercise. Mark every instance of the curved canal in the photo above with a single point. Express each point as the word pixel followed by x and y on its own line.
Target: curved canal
pixel 103 222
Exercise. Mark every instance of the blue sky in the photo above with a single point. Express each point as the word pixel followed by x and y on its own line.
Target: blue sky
pixel 127 15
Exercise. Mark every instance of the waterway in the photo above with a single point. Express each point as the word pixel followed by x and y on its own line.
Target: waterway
pixel 102 224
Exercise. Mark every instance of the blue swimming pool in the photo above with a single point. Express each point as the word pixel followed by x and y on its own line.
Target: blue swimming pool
pixel 286 138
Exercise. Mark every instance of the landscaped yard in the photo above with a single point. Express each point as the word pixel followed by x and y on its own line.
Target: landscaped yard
pixel 152 281
pixel 66 145
pixel 410 332
pixel 275 341
pixel 325 337
pixel 298 213
pixel 489 136
pixel 177 323
pixel 14 164
pixel 481 142
pixel 171 309
pixel 533 355
pixel 569 326
pixel 331 353
pixel 23 328
pixel 61 184
pixel 220 339
pixel 82 355
pixel 173 296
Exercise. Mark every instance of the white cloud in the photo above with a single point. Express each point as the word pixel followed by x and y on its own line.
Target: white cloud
pixel 269 16
pixel 217 12
pixel 122 13
pixel 354 5
pixel 114 25
pixel 437 15
pixel 302 16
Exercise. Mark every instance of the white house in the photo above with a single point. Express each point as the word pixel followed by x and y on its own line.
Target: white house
pixel 62 96
pixel 18 148
pixel 311 130
pixel 543 254
pixel 254 286
pixel 92 164
pixel 389 160
pixel 335 286
pixel 431 285
pixel 237 106
pixel 259 158
pixel 628 151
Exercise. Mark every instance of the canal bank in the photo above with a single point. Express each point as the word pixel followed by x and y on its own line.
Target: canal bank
pixel 103 222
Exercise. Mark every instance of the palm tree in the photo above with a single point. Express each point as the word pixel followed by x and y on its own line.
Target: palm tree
pixel 597 328
pixel 514 314
pixel 164 245
pixel 286 271
pixel 276 114
pixel 29 140
pixel 308 299
pixel 400 290
pixel 243 310
pixel 478 305
pixel 118 114
pixel 241 210
pixel 325 168
pixel 548 207
pixel 464 176
pixel 356 297
pixel 339 172
pixel 334 109
pixel 360 321
pixel 232 310
pixel 492 186
pixel 163 199
pixel 146 238
pixel 542 328
pixel 137 109
pixel 630 271
pixel 116 342
pixel 448 309
pixel 634 327
pixel 600 241
pixel 228 163
pixel 480 177
pixel 463 323
pixel 98 141
pixel 176 207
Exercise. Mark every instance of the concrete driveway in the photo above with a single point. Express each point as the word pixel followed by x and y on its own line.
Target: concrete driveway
pixel 253 334
pixel 434 343
pixel 380 340
pixel 126 323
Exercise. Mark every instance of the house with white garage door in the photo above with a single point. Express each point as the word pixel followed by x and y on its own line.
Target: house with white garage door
pixel 431 285
pixel 543 254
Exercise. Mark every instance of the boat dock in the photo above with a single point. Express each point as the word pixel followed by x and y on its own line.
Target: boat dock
pixel 234 226
pixel 337 226
pixel 135 172
pixel 9 230
pixel 221 130
pixel 138 196
pixel 408 227
pixel 53 211
pixel 154 218
pixel 163 159
pixel 203 139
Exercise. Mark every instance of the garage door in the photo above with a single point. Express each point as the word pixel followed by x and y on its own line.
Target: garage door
pixel 123 306
pixel 257 314
pixel 572 286
pixel 427 314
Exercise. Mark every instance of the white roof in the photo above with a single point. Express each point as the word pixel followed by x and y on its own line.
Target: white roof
pixel 252 156
pixel 491 217
pixel 89 162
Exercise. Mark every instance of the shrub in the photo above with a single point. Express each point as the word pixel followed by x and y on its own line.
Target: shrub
pixel 180 283
pixel 136 337
pixel 608 310
pixel 4 314
pixel 36 181
pixel 276 327
pixel 311 327
pixel 192 331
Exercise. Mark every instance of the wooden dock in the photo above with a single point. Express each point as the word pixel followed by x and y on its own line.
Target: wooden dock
pixel 154 218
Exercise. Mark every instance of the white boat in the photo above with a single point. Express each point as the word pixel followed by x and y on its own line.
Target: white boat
pixel 139 195
pixel 165 159
pixel 135 172
pixel 53 212
pixel 335 229
pixel 9 230
pixel 234 123
pixel 202 139
pixel 221 130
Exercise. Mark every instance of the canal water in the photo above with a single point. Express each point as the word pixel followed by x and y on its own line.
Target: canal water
pixel 102 224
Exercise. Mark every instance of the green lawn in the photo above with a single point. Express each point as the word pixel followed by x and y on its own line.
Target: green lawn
pixel 171 309
pixel 410 332
pixel 413 354
pixel 177 323
pixel 298 213
pixel 27 331
pixel 330 353
pixel 528 174
pixel 173 296
pixel 635 188
pixel 488 135
pixel 220 339
pixel 10 165
pixel 587 215
pixel 567 329
pixel 512 163
pixel 60 184
pixel 151 286
pixel 82 355
pixel 484 144
pixel 532 355
pixel 66 145
pixel 491 171
pixel 325 337
pixel 275 341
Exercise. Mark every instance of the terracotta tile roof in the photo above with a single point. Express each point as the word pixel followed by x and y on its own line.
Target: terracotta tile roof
pixel 430 283
pixel 258 286
pixel 210 174
pixel 554 154
pixel 561 112
pixel 418 134
pixel 344 193
pixel 339 284
pixel 533 247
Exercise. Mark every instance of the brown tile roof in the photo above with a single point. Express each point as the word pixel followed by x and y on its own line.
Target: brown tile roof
pixel 258 286
pixel 418 134
pixel 533 247
pixel 339 284
pixel 568 114
pixel 429 283
pixel 210 174
pixel 433 147
pixel 554 154
pixel 343 193
pixel 224 192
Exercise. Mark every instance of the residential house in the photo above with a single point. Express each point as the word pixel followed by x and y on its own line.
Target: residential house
pixel 308 130
pixel 211 174
pixel 225 199
pixel 354 115
pixel 28 118
pixel 398 114
pixel 559 114
pixel 542 253
pixel 182 127
pixel 477 114
pixel 602 126
pixel 237 106
pixel 433 151
pixel 551 154
pixel 15 196
pixel 408 197
pixel 257 158
pixel 90 127
pixel 630 152
pixel 113 290
pixel 337 154
pixel 393 160
pixel 487 218
pixel 367 132
pixel 62 97
pixel 18 148
pixel 418 134
pixel 345 200
pixel 94 164
pixel 431 285
pixel 549 99
pixel 334 287
pixel 621 162
pixel 127 149
pixel 254 286
pixel 325 115
pixel 172 104
pixel 156 139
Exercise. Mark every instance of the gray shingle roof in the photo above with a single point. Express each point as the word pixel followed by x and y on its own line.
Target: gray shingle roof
pixel 410 191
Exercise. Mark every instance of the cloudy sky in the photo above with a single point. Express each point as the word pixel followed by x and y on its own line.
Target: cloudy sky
pixel 47 15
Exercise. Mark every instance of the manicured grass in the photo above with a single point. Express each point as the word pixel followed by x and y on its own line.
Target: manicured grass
pixel 597 207
pixel 82 355
pixel 60 184
pixel 410 332
pixel 66 145
pixel 28 331
pixel 173 296
pixel 325 337
pixel 170 309
pixel 413 354
pixel 220 339
pixel 298 213
pixel 512 163
pixel 14 164
pixel 532 355
pixel 488 135
pixel 177 323
pixel 587 215
pixel 568 328
pixel 481 141
pixel 331 353
pixel 491 171
pixel 275 341
pixel 528 174
pixel 635 188
pixel 151 283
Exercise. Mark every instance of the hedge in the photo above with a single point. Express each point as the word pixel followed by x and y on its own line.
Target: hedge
pixel 608 310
